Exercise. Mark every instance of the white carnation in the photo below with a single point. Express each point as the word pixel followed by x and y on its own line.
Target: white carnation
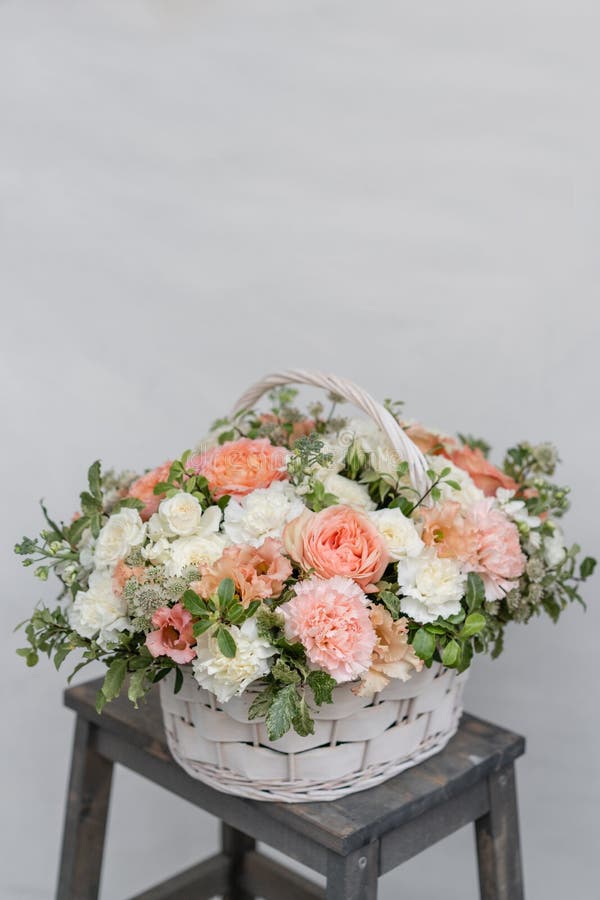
pixel 469 493
pixel 193 550
pixel 180 515
pixel 347 491
pixel 99 611
pixel 224 676
pixel 262 514
pixel 430 586
pixel 123 531
pixel 398 532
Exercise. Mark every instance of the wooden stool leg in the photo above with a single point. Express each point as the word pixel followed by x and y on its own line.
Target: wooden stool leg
pixel 353 877
pixel 498 845
pixel 235 845
pixel 85 818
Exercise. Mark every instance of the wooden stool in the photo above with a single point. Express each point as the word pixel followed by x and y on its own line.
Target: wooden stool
pixel 352 840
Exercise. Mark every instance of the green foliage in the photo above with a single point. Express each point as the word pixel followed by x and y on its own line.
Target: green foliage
pixel 182 478
pixel 322 685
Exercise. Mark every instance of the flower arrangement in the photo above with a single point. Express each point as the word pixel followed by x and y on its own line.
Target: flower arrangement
pixel 291 551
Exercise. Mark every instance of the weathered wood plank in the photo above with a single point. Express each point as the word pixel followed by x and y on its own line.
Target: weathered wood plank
pixel 478 749
pixel 435 824
pixel 203 881
pixel 266 878
pixel 85 817
pixel 498 845
pixel 235 846
pixel 353 877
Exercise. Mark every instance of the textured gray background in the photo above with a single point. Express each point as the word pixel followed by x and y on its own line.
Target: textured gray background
pixel 194 193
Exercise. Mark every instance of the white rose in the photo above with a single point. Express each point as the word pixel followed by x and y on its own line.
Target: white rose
pixel 99 611
pixel 398 532
pixel 194 550
pixel 430 586
pixel 347 491
pixel 262 514
pixel 224 676
pixel 469 493
pixel 122 532
pixel 554 547
pixel 180 515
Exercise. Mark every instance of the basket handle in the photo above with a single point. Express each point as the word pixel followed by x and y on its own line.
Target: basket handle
pixel 399 440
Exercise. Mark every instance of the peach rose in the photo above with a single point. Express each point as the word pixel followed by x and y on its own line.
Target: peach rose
pixel 486 476
pixel 239 467
pixel 143 489
pixel 299 429
pixel 338 540
pixel 257 572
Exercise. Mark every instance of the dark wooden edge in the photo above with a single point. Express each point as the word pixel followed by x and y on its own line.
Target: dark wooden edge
pixel 332 825
pixel 260 877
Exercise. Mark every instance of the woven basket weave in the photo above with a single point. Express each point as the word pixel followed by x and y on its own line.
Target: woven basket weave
pixel 358 741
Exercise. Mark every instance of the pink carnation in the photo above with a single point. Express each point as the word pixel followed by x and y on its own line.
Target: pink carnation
pixel 500 560
pixel 143 489
pixel 239 467
pixel 257 572
pixel 174 635
pixel 338 540
pixel 331 620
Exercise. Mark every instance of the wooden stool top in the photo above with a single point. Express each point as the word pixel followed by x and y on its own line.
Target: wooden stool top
pixel 136 739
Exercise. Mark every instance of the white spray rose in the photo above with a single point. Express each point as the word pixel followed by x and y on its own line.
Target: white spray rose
pixel 123 531
pixel 224 676
pixel 99 611
pixel 180 515
pixel 398 532
pixel 347 491
pixel 432 586
pixel 262 514
pixel 554 547
pixel 194 550
pixel 469 493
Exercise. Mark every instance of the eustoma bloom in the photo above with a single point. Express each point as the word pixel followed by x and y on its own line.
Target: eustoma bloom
pixel 173 636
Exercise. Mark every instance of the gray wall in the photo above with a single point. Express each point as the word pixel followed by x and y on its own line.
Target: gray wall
pixel 194 193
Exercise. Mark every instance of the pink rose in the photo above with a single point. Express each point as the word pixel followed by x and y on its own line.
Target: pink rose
pixel 331 620
pixel 486 476
pixel 338 540
pixel 239 467
pixel 174 635
pixel 143 489
pixel 257 572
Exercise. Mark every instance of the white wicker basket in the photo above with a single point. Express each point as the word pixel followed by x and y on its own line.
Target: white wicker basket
pixel 358 741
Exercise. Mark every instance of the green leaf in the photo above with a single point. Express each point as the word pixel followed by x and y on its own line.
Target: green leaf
pixel 200 627
pixel 451 654
pixel 281 671
pixel 61 654
pixel 162 487
pixel 178 680
pixel 162 673
pixel 474 623
pixel 136 688
pixel 475 594
pixel 424 644
pixel 193 603
pixel 100 702
pixel 391 602
pixel 114 678
pixel 90 504
pixel 226 592
pixel 128 503
pixel 76 529
pixel 261 703
pixel 226 642
pixel 587 567
pixel 303 722
pixel 322 685
pixel 282 712
pixel 95 479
